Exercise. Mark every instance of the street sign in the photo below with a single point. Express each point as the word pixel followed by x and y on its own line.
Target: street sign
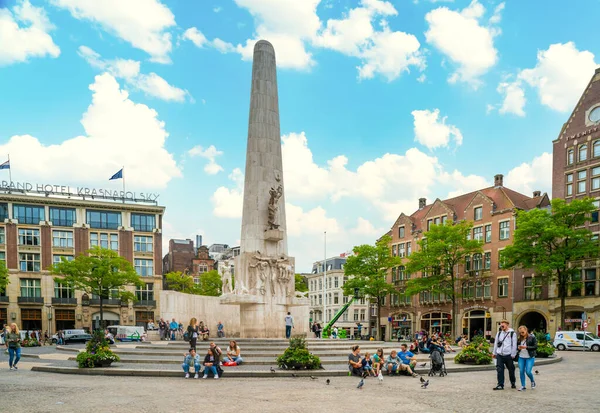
pixel 585 324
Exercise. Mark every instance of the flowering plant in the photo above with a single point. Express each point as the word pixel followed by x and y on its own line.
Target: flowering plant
pixel 97 352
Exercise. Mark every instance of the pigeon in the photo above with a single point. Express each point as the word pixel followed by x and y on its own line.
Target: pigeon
pixel 272 370
pixel 360 384
pixel 284 366
pixel 293 375
pixel 327 382
pixel 423 364
pixel 537 372
pixel 422 379
pixel 321 367
pixel 313 378
pixel 380 377
pixel 425 384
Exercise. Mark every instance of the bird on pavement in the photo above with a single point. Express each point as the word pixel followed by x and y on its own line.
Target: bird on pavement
pixel 313 378
pixel 422 379
pixel 537 372
pixel 380 377
pixel 425 384
pixel 272 370
pixel 360 384
pixel 423 364
pixel 293 375
pixel 327 382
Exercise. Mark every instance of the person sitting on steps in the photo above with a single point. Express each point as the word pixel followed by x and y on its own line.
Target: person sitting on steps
pixel 211 364
pixel 191 360
pixel 234 353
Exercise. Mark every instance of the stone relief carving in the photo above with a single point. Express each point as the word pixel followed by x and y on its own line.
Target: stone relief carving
pixel 274 271
pixel 226 278
pixel 274 194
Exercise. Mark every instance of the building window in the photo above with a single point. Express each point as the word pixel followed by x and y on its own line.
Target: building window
pixel 3 257
pixel 570 157
pixel 436 221
pixel 408 249
pixel 487 261
pixel 29 262
pixel 394 250
pixel 320 299
pixel 143 222
pixel 477 261
pixel 589 286
pixel 144 268
pixel 28 214
pixel 478 213
pixel 58 258
pixel 581 176
pixel 202 268
pixel 400 232
pixel 478 234
pixel 596 149
pixel 103 219
pixel 2 236
pixel 104 240
pixel 488 233
pixel 487 289
pixel 468 263
pixel 594 215
pixel 3 212
pixel 502 287
pixel 595 178
pixel 504 230
pixel 575 285
pixel 63 291
pixel 478 289
pixel 429 222
pixel 401 250
pixel 336 298
pixel 29 237
pixel 532 288
pixel 31 288
pixel 355 315
pixel 142 243
pixel 569 179
pixel 583 152
pixel 500 260
pixel 145 293
pixel 62 239
pixel 363 315
pixel 63 217
pixel 336 282
pixel 444 218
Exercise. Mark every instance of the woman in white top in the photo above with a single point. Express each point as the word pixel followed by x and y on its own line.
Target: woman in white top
pixel 526 347
pixel 234 353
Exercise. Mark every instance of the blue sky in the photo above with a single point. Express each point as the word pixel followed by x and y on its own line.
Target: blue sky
pixel 381 103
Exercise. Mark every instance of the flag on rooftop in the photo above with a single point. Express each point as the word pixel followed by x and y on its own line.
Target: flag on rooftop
pixel 5 165
pixel 118 175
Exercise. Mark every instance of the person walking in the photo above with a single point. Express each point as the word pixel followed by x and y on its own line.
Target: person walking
pixel 527 352
pixel 505 350
pixel 289 324
pixel 13 343
pixel 193 332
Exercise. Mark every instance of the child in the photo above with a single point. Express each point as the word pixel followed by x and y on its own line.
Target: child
pixel 367 364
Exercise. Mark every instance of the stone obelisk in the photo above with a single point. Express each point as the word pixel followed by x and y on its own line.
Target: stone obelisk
pixel 263 272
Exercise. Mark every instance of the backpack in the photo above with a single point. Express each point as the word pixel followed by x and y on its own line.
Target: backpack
pixel 186 336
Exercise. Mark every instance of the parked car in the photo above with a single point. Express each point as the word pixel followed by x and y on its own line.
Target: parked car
pixel 74 336
pixel 579 340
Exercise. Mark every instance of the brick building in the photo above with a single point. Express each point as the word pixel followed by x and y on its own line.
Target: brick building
pixel 486 288
pixel 38 230
pixel 575 174
pixel 183 257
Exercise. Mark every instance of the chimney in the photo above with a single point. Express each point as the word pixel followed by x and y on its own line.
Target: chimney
pixel 498 180
pixel 537 193
pixel 422 203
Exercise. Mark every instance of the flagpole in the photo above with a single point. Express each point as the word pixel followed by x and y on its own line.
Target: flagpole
pixel 9 171
pixel 123 177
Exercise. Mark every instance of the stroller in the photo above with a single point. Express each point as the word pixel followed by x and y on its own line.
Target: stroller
pixel 438 366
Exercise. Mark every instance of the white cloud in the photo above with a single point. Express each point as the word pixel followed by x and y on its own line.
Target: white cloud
pixel 460 183
pixel 228 203
pixel 210 153
pixel 365 227
pixel 432 131
pixel 514 98
pixel 129 70
pixel 196 36
pixel 24 33
pixel 422 78
pixel 314 221
pixel 533 176
pixel 497 16
pixel 143 23
pixel 118 132
pixel 560 75
pixel 217 9
pixel 384 51
pixel 464 40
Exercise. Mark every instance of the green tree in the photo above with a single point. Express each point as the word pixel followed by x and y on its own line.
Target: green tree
pixel 178 281
pixel 210 284
pixel 367 270
pixel 438 256
pixel 100 272
pixel 4 280
pixel 301 283
pixel 553 243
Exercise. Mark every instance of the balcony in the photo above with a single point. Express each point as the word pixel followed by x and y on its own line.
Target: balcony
pixel 30 300
pixel 107 301
pixel 3 299
pixel 145 303
pixel 64 301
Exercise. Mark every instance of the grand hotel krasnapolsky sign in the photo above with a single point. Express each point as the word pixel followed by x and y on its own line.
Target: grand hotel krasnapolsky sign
pixel 80 191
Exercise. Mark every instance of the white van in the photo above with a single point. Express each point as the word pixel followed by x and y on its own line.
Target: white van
pixel 575 340
pixel 127 333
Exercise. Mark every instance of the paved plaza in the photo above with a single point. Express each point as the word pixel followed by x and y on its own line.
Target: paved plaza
pixel 569 386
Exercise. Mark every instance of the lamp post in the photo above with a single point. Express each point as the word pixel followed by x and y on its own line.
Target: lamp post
pixel 325 280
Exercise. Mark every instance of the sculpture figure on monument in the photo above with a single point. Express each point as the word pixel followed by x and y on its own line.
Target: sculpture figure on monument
pixel 275 194
pixel 226 278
